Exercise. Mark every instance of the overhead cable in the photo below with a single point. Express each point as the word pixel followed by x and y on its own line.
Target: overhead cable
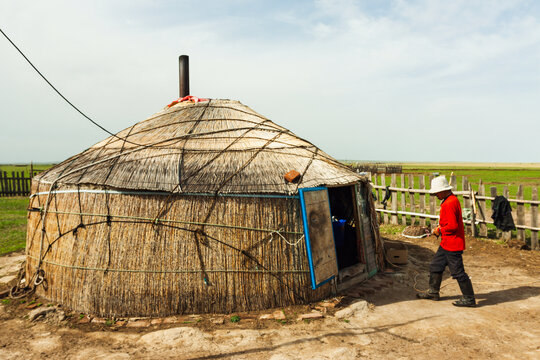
pixel 62 96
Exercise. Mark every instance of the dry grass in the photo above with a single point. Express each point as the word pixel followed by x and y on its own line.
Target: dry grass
pixel 216 146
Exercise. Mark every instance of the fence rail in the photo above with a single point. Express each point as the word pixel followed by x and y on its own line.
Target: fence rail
pixel 416 204
pixel 16 184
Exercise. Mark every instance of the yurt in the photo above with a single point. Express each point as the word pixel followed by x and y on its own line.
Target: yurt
pixel 205 207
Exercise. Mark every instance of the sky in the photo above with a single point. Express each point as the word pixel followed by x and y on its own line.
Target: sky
pixel 373 80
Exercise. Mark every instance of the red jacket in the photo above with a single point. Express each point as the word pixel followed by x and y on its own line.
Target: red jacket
pixel 451 225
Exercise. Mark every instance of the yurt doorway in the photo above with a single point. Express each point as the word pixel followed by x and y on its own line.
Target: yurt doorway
pixel 338 234
pixel 353 236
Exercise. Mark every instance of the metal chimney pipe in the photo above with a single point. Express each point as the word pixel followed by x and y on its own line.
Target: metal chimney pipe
pixel 183 63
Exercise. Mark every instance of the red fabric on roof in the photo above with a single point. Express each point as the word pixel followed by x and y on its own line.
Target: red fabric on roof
pixel 189 98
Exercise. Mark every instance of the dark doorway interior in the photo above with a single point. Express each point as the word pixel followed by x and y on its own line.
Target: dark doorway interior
pixel 343 222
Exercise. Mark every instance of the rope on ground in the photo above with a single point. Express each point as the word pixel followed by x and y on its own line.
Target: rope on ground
pixel 23 288
pixel 427 233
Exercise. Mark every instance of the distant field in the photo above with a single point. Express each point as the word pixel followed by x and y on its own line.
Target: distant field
pixel 471 165
pixel 491 174
pixel 23 167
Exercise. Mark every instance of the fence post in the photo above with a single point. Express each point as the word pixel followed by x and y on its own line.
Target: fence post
pixel 12 189
pixel 453 182
pixel 9 184
pixel 411 199
pixel 506 235
pixel 432 204
pixel 465 187
pixel 534 220
pixel 20 184
pixel 422 196
pixel 466 198
pixel 520 213
pixel 403 201
pixel 473 214
pixel 24 183
pixel 383 183
pixel 482 209
pixel 377 194
pixel 394 217
pixel 6 184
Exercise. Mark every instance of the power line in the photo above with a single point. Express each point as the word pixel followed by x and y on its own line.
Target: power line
pixel 63 97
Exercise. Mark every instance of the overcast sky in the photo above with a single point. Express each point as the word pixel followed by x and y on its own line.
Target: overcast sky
pixel 367 80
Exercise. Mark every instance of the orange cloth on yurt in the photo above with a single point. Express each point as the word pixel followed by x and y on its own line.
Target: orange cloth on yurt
pixel 451 225
pixel 189 98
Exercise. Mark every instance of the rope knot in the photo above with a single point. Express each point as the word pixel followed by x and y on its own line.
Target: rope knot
pixel 76 230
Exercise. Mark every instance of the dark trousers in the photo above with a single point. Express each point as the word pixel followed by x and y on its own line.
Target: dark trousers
pixel 453 260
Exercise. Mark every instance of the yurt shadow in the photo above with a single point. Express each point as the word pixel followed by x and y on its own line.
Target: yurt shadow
pixel 190 211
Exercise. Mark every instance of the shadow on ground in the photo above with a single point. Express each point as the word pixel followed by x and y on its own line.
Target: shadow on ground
pixel 417 274
pixel 502 296
pixel 347 333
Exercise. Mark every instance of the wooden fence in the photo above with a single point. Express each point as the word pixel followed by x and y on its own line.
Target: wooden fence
pixel 411 203
pixel 16 184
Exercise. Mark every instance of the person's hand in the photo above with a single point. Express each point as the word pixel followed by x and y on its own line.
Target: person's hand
pixel 436 232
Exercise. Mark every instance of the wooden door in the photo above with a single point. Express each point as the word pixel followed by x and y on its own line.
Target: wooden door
pixel 362 193
pixel 319 235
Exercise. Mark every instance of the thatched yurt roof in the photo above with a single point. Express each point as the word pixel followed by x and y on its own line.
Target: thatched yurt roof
pixel 207 147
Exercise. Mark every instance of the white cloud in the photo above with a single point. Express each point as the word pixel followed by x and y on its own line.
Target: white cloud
pixel 359 82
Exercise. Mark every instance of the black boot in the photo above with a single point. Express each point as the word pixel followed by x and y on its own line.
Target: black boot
pixel 435 280
pixel 467 300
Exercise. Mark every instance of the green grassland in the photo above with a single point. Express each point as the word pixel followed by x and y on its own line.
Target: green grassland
pixel 12 224
pixel 13 212
pixel 490 174
pixel 9 168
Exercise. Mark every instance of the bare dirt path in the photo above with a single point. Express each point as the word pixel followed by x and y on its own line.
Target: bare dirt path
pixel 506 325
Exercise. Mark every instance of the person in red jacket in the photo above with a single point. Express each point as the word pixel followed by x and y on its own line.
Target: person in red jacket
pixel 452 233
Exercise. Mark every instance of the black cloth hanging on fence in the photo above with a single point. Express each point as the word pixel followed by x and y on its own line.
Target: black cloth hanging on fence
pixel 502 214
pixel 387 196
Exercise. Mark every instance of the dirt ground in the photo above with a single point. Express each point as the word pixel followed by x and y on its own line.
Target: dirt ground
pixel 505 325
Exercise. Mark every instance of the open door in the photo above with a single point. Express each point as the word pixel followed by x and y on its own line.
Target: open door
pixel 318 235
pixel 362 193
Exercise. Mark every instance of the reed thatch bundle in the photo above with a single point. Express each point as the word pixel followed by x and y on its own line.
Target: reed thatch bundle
pixel 219 145
pixel 185 212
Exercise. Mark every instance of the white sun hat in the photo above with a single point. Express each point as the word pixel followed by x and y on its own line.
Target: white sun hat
pixel 439 184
